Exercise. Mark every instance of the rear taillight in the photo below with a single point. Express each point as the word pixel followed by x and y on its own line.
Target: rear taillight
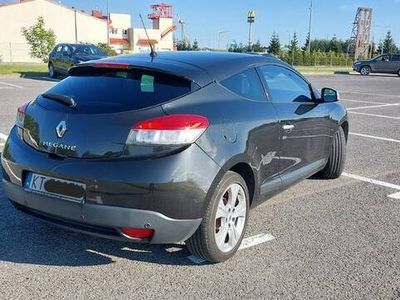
pixel 137 233
pixel 21 115
pixel 168 130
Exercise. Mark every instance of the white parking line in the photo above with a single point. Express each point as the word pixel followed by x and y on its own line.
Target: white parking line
pixel 362 101
pixel 3 136
pixel 256 240
pixel 6 88
pixel 370 94
pixel 374 137
pixel 395 196
pixel 246 243
pixel 12 85
pixel 374 115
pixel 373 181
pixel 373 106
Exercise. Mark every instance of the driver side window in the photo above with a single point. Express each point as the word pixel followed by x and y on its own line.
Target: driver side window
pixel 285 86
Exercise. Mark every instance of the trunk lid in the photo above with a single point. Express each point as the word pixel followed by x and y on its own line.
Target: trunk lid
pixel 108 103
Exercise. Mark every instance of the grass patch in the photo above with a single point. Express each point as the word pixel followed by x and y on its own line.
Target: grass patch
pixel 26 69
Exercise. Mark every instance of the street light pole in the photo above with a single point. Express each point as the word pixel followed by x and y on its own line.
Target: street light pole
pixel 251 16
pixel 310 27
pixel 220 34
pixel 108 23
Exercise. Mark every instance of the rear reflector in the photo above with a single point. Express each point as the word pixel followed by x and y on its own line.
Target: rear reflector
pixel 138 233
pixel 168 130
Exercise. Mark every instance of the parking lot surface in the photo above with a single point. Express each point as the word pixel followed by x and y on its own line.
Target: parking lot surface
pixel 320 239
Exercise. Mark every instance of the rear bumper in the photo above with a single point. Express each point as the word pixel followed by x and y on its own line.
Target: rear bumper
pixel 100 220
pixel 169 193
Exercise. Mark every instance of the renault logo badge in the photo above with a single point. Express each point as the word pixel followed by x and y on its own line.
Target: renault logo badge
pixel 61 129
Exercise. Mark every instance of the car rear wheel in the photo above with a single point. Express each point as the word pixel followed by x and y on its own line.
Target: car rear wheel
pixel 365 71
pixel 52 72
pixel 398 72
pixel 337 157
pixel 221 232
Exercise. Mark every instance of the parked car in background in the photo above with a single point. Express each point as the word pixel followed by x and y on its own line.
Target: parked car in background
pixel 65 56
pixel 386 63
pixel 176 147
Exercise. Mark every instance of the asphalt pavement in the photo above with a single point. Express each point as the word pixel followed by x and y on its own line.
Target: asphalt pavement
pixel 321 239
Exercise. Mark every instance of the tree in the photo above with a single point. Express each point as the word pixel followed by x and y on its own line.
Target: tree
pixel 274 45
pixel 307 43
pixel 294 43
pixel 388 44
pixel 235 47
pixel 107 49
pixel 40 40
pixel 257 47
pixel 335 45
pixel 183 46
pixel 195 46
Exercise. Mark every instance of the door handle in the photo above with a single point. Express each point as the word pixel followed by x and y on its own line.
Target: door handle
pixel 288 127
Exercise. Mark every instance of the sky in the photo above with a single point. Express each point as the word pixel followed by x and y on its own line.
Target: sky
pixel 205 18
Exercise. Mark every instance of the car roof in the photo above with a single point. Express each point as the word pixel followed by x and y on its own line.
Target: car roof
pixel 202 67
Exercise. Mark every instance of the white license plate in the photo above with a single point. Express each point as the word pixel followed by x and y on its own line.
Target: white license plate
pixel 51 186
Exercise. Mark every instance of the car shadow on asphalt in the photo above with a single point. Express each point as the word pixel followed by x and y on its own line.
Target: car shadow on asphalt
pixel 25 240
pixel 40 76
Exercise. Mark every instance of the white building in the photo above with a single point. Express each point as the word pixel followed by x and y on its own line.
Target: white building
pixel 15 16
pixel 72 25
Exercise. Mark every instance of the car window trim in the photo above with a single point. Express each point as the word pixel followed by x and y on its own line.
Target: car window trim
pixel 313 100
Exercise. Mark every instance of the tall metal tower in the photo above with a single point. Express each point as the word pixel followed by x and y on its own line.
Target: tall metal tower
pixel 361 33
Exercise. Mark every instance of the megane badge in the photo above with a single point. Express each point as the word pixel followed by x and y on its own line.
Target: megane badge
pixel 61 129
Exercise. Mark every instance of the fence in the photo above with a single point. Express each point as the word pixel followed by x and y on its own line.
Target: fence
pixel 15 52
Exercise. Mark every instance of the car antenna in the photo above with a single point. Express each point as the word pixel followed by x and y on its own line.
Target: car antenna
pixel 153 53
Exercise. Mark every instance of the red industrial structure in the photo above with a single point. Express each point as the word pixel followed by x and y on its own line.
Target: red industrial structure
pixel 162 10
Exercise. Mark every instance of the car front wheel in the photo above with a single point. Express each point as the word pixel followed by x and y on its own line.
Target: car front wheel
pixel 337 157
pixel 221 232
pixel 365 71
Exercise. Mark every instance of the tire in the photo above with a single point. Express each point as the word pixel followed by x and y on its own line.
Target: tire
pixel 227 230
pixel 398 72
pixel 365 71
pixel 52 72
pixel 337 157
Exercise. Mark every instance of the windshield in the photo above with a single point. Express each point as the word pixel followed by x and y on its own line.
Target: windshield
pixel 87 50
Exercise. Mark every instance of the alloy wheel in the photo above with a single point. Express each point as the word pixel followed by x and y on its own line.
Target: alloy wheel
pixel 230 217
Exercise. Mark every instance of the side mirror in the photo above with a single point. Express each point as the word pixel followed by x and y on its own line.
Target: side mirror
pixel 329 95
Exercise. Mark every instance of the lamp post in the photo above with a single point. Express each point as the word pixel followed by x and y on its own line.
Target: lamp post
pixel 108 23
pixel 220 34
pixel 251 16
pixel 310 27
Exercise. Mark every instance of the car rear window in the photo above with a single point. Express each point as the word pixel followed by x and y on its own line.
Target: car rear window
pixel 106 90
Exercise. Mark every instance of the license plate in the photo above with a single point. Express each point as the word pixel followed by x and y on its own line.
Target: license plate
pixel 51 186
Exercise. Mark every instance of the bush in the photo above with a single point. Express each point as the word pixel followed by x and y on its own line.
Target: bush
pixel 107 49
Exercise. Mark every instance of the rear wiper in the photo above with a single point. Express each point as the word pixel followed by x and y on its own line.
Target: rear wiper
pixel 61 98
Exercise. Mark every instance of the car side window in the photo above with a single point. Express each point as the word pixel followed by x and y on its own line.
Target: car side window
pixel 66 49
pixel 246 84
pixel 396 57
pixel 58 48
pixel 284 85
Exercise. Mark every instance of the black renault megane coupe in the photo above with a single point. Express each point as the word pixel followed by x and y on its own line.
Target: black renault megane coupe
pixel 176 147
